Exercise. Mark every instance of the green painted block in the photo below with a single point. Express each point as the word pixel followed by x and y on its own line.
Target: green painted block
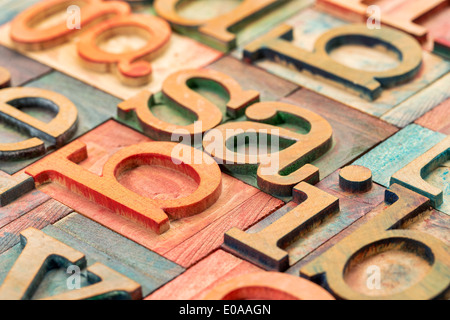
pixel 98 244
pixel 398 151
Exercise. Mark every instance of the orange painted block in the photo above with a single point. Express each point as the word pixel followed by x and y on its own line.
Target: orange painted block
pixel 132 67
pixel 108 46
pixel 176 89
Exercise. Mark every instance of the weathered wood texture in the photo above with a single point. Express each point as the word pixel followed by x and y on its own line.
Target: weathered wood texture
pixel 198 280
pixel 44 214
pixel 268 286
pixel 100 246
pixel 44 136
pixel 91 113
pixel 429 175
pixel 310 24
pixel 144 266
pixel 353 132
pixel 41 254
pixel 243 146
pixel 417 105
pixel 271 88
pixel 180 53
pixel 425 20
pixel 398 151
pixel 276 46
pixel 24 204
pixel 388 242
pixel 22 68
pixel 226 24
pixel 404 149
pixel 430 222
pixel 232 207
pixel 178 93
pixel 437 119
pixel 13 187
pixel 321 224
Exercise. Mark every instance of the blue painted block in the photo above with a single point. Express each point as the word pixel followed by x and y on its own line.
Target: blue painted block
pixel 9 9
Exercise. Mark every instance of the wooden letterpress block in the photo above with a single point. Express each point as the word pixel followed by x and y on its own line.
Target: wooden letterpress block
pixel 306 58
pixel 24 204
pixel 76 113
pixel 183 101
pixel 321 132
pixel 433 165
pixel 198 280
pixel 13 187
pixel 147 185
pixel 34 209
pixel 437 119
pixel 400 250
pixel 425 20
pixel 21 68
pixel 432 96
pixel 230 25
pixel 270 87
pixel 24 271
pixel 213 95
pixel 403 153
pixel 317 214
pixel 117 55
pixel 147 268
pixel 268 286
pixel 42 135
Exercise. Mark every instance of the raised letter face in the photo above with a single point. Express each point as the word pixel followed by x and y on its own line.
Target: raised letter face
pixel 402 16
pixel 418 159
pixel 55 133
pixel 177 91
pixel 276 46
pixel 215 31
pixel 382 234
pixel 25 35
pixel 413 175
pixel 264 248
pixel 42 252
pixel 278 170
pixel 108 192
pixel 132 67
